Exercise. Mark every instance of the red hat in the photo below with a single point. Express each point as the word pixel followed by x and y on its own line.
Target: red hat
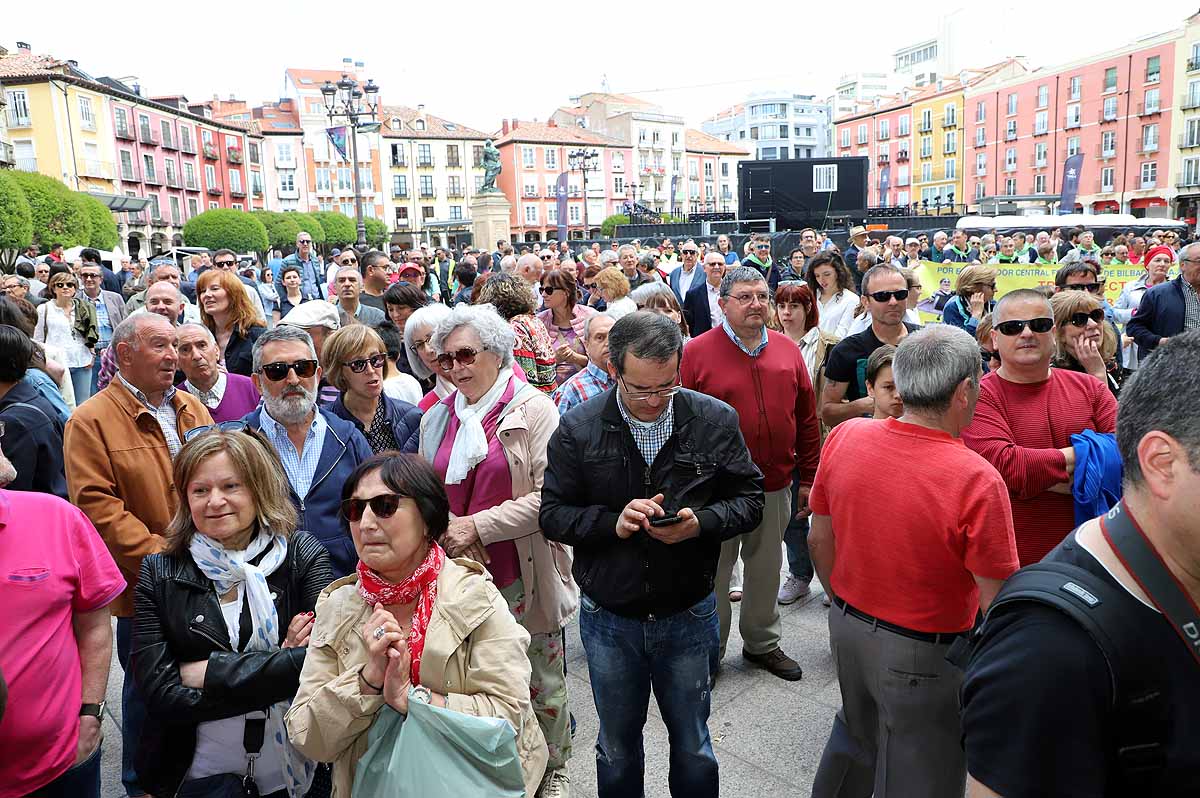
pixel 1161 249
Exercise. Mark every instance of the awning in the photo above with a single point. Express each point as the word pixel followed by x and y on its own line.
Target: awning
pixel 119 203
pixel 1148 202
pixel 1104 205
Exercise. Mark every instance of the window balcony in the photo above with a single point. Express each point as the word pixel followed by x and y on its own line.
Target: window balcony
pixel 980 171
pixel 429 193
pixel 950 120
pixel 455 193
pixel 1105 155
pixel 1188 182
pixel 150 178
pixel 159 221
pixel 1037 162
pixel 1107 117
pixel 925 127
pixel 288 193
pixel 99 169
pixel 1148 147
pixel 187 146
pixel 27 164
pixel 190 184
pixel 173 181
pixel 1148 110
pixel 1188 142
pixel 883 135
pixel 168 143
pixel 214 189
pixel 18 120
pixel 455 163
pixel 399 163
pixel 257 191
pixel 1070 124
pixel 146 136
pixel 129 173
pixel 123 132
pixel 1010 134
pixel 235 154
pixel 237 192
pixel 883 157
pixel 136 218
pixel 399 193
pixel 1151 183
pixel 210 152
pixel 425 163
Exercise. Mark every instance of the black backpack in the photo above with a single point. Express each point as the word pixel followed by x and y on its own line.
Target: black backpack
pixel 1140 710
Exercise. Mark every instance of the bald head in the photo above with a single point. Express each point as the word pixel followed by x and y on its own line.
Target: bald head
pixel 163 298
pixel 529 268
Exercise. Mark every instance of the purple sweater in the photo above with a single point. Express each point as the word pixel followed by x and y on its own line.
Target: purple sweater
pixel 240 398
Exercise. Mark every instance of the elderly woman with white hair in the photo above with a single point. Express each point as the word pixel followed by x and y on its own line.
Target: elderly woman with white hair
pixel 422 359
pixel 487 441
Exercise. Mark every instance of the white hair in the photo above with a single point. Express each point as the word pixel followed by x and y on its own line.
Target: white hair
pixel 421 318
pixel 508 264
pixel 495 334
pixel 191 325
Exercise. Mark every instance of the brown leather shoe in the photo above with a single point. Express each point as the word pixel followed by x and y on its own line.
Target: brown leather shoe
pixel 778 663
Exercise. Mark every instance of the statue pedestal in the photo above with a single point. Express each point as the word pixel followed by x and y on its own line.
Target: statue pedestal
pixel 490 220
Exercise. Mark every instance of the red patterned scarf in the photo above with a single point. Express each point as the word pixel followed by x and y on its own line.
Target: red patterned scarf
pixel 420 585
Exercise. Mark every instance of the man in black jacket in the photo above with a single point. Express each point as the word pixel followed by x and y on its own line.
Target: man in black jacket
pixel 645 451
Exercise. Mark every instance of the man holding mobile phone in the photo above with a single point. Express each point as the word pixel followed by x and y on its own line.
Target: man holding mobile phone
pixel 648 616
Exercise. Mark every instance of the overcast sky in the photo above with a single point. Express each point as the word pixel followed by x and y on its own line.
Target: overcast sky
pixel 476 63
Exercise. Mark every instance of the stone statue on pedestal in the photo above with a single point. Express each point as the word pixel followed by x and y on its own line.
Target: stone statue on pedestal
pixel 491 167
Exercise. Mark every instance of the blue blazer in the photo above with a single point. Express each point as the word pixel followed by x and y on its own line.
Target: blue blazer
pixel 695 309
pixel 1160 315
pixel 320 510
pixel 403 418
pixel 673 281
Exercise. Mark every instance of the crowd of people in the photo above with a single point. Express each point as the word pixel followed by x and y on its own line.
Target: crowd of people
pixel 316 491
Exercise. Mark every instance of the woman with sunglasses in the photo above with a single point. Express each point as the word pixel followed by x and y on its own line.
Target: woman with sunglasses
pixel 974 294
pixel 1086 343
pixel 69 323
pixel 422 359
pixel 563 318
pixel 510 296
pixel 487 442
pixel 411 624
pixel 223 618
pixel 355 361
pixel 226 310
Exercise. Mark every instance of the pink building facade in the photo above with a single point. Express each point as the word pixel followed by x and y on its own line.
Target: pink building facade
pixel 1115 110
pixel 711 174
pixel 534 154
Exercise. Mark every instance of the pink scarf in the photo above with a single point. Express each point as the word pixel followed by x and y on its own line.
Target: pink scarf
pixel 420 585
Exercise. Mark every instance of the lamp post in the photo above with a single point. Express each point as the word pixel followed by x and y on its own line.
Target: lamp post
pixel 345 100
pixel 580 160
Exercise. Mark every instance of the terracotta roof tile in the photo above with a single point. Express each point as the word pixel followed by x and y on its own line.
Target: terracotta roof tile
pixel 304 78
pixel 28 65
pixel 543 133
pixel 698 141
pixel 435 126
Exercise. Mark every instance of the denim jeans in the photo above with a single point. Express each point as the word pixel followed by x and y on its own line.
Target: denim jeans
pixel 133 711
pixel 795 541
pixel 675 657
pixel 80 781
pixel 81 381
pixel 95 384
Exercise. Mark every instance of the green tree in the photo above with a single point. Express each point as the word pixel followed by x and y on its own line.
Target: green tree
pixel 104 227
pixel 225 228
pixel 608 227
pixel 57 213
pixel 16 218
pixel 310 224
pixel 377 233
pixel 281 228
pixel 340 229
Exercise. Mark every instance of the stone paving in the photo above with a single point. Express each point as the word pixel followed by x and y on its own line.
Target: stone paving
pixel 768 733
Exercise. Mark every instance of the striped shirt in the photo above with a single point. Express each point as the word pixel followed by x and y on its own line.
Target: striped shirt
pixel 164 414
pixel 1191 306
pixel 301 467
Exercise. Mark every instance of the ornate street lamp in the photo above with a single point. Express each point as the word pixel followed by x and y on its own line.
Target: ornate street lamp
pixel 581 160
pixel 344 100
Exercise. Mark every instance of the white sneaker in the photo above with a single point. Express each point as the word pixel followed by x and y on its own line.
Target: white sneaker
pixel 555 784
pixel 792 590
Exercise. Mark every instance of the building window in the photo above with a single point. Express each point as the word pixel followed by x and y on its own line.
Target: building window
pixel 980 191
pixel 1012 104
pixel 903 124
pixel 210 174
pixel 1010 130
pixel 235 181
pixel 1191 132
pixel 1191 171
pixel 980 111
pixel 783 131
pixel 193 207
pixel 528 159
pixel 862 134
pixel 1010 159
pixel 951 169
pixel 951 143
pixel 1039 184
pixel 126 166
pixel 155 212
pixel 950 115
pixel 1152 71
pixel 456 212
pixel 845 137
pixel 1110 79
pixel 454 186
pixel 1043 96
pixel 477 157
pixel 424 156
pixel 926 146
pixel 980 137
pixel 573 214
pixel 1108 144
pixel 189 174
pixel 18 108
pixel 167 138
pixel 927 120
pixel 926 172
pixel 551 157
pixel 618 185
pixel 87 119
pixel 725 169
pixel 1149 174
pixel 1106 178
pixel 1010 187
pixel 344 180
pixel 1152 105
pixel 1074 117
pixel 172 174
pixel 322 179
pixel 1149 138
pixel 980 163
pixel 452 156
pixel 1072 146
pixel 122 121
pixel 185 139
pixel 1075 89
pixel 426 213
pixel 1039 154
pixel 1110 108
pixel 426 185
pixel 148 173
pixel 287 181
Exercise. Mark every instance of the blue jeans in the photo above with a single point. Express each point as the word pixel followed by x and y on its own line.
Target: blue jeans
pixel 133 711
pixel 673 656
pixel 81 381
pixel 795 541
pixel 81 781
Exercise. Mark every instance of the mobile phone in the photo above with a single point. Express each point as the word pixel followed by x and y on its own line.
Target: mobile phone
pixel 665 520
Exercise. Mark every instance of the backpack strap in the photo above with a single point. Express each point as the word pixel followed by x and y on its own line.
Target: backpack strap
pixel 1140 709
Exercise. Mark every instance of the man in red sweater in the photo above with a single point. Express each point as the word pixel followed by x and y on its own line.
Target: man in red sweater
pixel 1026 416
pixel 761 373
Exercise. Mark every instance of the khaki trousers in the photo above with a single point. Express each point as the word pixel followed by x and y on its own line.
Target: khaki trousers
pixel 762 557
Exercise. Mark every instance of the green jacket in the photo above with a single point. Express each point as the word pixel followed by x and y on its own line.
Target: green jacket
pixel 85 322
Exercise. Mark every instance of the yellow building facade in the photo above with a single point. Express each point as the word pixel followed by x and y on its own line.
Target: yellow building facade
pixel 62 131
pixel 939 148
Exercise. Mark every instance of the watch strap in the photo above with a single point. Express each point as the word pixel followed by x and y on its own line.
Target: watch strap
pixel 96 710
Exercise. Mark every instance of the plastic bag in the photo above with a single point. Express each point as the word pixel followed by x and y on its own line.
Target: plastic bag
pixel 437 751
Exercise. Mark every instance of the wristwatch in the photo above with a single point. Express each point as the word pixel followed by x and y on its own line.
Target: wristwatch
pixel 421 693
pixel 93 709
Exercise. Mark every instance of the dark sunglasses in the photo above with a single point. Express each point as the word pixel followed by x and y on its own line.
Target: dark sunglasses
pixel 237 425
pixel 466 356
pixel 360 365
pixel 384 506
pixel 1081 319
pixel 989 355
pixel 279 371
pixel 762 246
pixel 221 264
pixel 348 261
pixel 1017 326
pixel 1084 287
pixel 304 241
pixel 884 296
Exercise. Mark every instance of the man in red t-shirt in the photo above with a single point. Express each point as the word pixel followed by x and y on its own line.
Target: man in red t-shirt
pixel 1026 416
pixel 909 563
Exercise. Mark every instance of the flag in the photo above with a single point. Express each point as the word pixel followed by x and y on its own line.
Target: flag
pixel 1070 184
pixel 337 135
pixel 560 194
pixel 671 207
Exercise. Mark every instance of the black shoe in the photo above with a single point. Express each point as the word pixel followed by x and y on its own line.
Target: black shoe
pixel 777 663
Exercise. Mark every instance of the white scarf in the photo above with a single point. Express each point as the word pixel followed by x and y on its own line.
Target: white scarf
pixel 470 444
pixel 228 569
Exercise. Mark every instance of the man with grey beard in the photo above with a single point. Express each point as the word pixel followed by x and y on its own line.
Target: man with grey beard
pixel 318 449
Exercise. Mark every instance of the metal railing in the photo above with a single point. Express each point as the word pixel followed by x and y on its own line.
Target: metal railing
pixel 26 164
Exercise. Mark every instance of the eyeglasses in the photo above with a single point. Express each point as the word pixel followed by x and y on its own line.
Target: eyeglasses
pixel 304 241
pixel 237 425
pixel 690 251
pixel 589 286
pixel 661 393
pixel 348 261
pixel 547 290
pixel 885 296
pixel 465 356
pixel 762 246
pixel 420 343
pixel 746 299
pixel 1084 287
pixel 279 371
pixel 384 505
pixel 1017 326
pixel 90 276
pixel 360 365
pixel 1081 319
pixel 223 264
pixel 66 285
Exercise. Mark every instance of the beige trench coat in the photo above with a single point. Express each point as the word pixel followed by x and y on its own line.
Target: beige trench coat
pixel 474 655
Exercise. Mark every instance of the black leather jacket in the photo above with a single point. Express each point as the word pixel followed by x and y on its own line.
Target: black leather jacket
pixel 594 469
pixel 177 618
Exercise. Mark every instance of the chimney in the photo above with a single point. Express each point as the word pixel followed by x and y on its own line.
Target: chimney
pixel 551 123
pixel 23 47
pixel 504 127
pixel 515 123
pixel 420 109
